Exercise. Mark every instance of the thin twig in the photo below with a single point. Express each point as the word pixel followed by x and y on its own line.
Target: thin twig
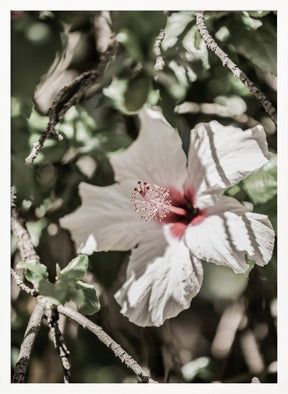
pixel 236 71
pixel 25 244
pixel 74 315
pixel 59 343
pixel 108 341
pixel 21 284
pixel 159 63
pixel 215 110
pixel 101 335
pixel 27 344
pixel 67 97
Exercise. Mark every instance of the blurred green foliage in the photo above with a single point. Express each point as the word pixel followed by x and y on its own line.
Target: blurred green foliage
pixel 106 122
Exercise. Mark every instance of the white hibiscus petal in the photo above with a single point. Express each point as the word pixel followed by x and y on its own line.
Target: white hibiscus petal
pixel 156 156
pixel 106 219
pixel 220 156
pixel 165 286
pixel 228 233
pixel 152 245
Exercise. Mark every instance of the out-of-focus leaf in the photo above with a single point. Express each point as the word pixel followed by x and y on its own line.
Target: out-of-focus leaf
pixel 130 43
pixel 168 104
pixel 262 185
pixel 269 271
pixel 251 22
pixel 177 22
pixel 258 46
pixel 24 180
pixel 137 92
pixel 196 47
pixel 116 92
pixel 170 82
pixel 221 283
pixel 233 191
pixel 235 104
pixel 144 25
pixel 258 14
pixel 214 15
pixel 34 271
pixel 35 230
pixel 270 209
pixel 34 44
pixel 90 304
pixel 76 269
pixel 200 367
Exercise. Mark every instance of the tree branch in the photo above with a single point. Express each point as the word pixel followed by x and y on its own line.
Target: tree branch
pixel 108 341
pixel 58 341
pixel 216 110
pixel 21 284
pixel 236 71
pixel 159 63
pixel 70 313
pixel 27 344
pixel 67 97
pixel 25 244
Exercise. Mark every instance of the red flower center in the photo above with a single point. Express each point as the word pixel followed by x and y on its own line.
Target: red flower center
pixel 167 206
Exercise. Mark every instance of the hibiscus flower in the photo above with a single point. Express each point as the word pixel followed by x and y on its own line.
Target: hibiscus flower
pixel 172 213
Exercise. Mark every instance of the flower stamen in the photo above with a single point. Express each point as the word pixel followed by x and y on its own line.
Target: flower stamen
pixel 152 202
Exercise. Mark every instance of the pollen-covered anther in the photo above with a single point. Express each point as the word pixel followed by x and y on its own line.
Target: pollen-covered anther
pixel 151 201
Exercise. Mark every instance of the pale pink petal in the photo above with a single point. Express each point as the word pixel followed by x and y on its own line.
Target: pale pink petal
pixel 220 156
pixel 228 233
pixel 155 157
pixel 162 281
pixel 106 219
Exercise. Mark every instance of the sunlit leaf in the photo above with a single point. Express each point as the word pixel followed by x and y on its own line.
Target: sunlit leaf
pixel 90 304
pixel 137 92
pixel 34 271
pixel 200 367
pixel 75 270
pixel 177 23
pixel 262 185
pixel 221 283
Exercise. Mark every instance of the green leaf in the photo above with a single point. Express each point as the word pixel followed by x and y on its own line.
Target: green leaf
pixel 259 46
pixel 258 14
pixel 262 185
pixel 137 92
pixel 252 23
pixel 168 104
pixel 270 209
pixel 143 25
pixel 33 47
pixel 90 304
pixel 176 24
pixel 195 46
pixel 75 270
pixel 130 43
pixel 200 367
pixel 116 92
pixel 60 291
pixel 48 290
pixel 34 271
pixel 221 283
